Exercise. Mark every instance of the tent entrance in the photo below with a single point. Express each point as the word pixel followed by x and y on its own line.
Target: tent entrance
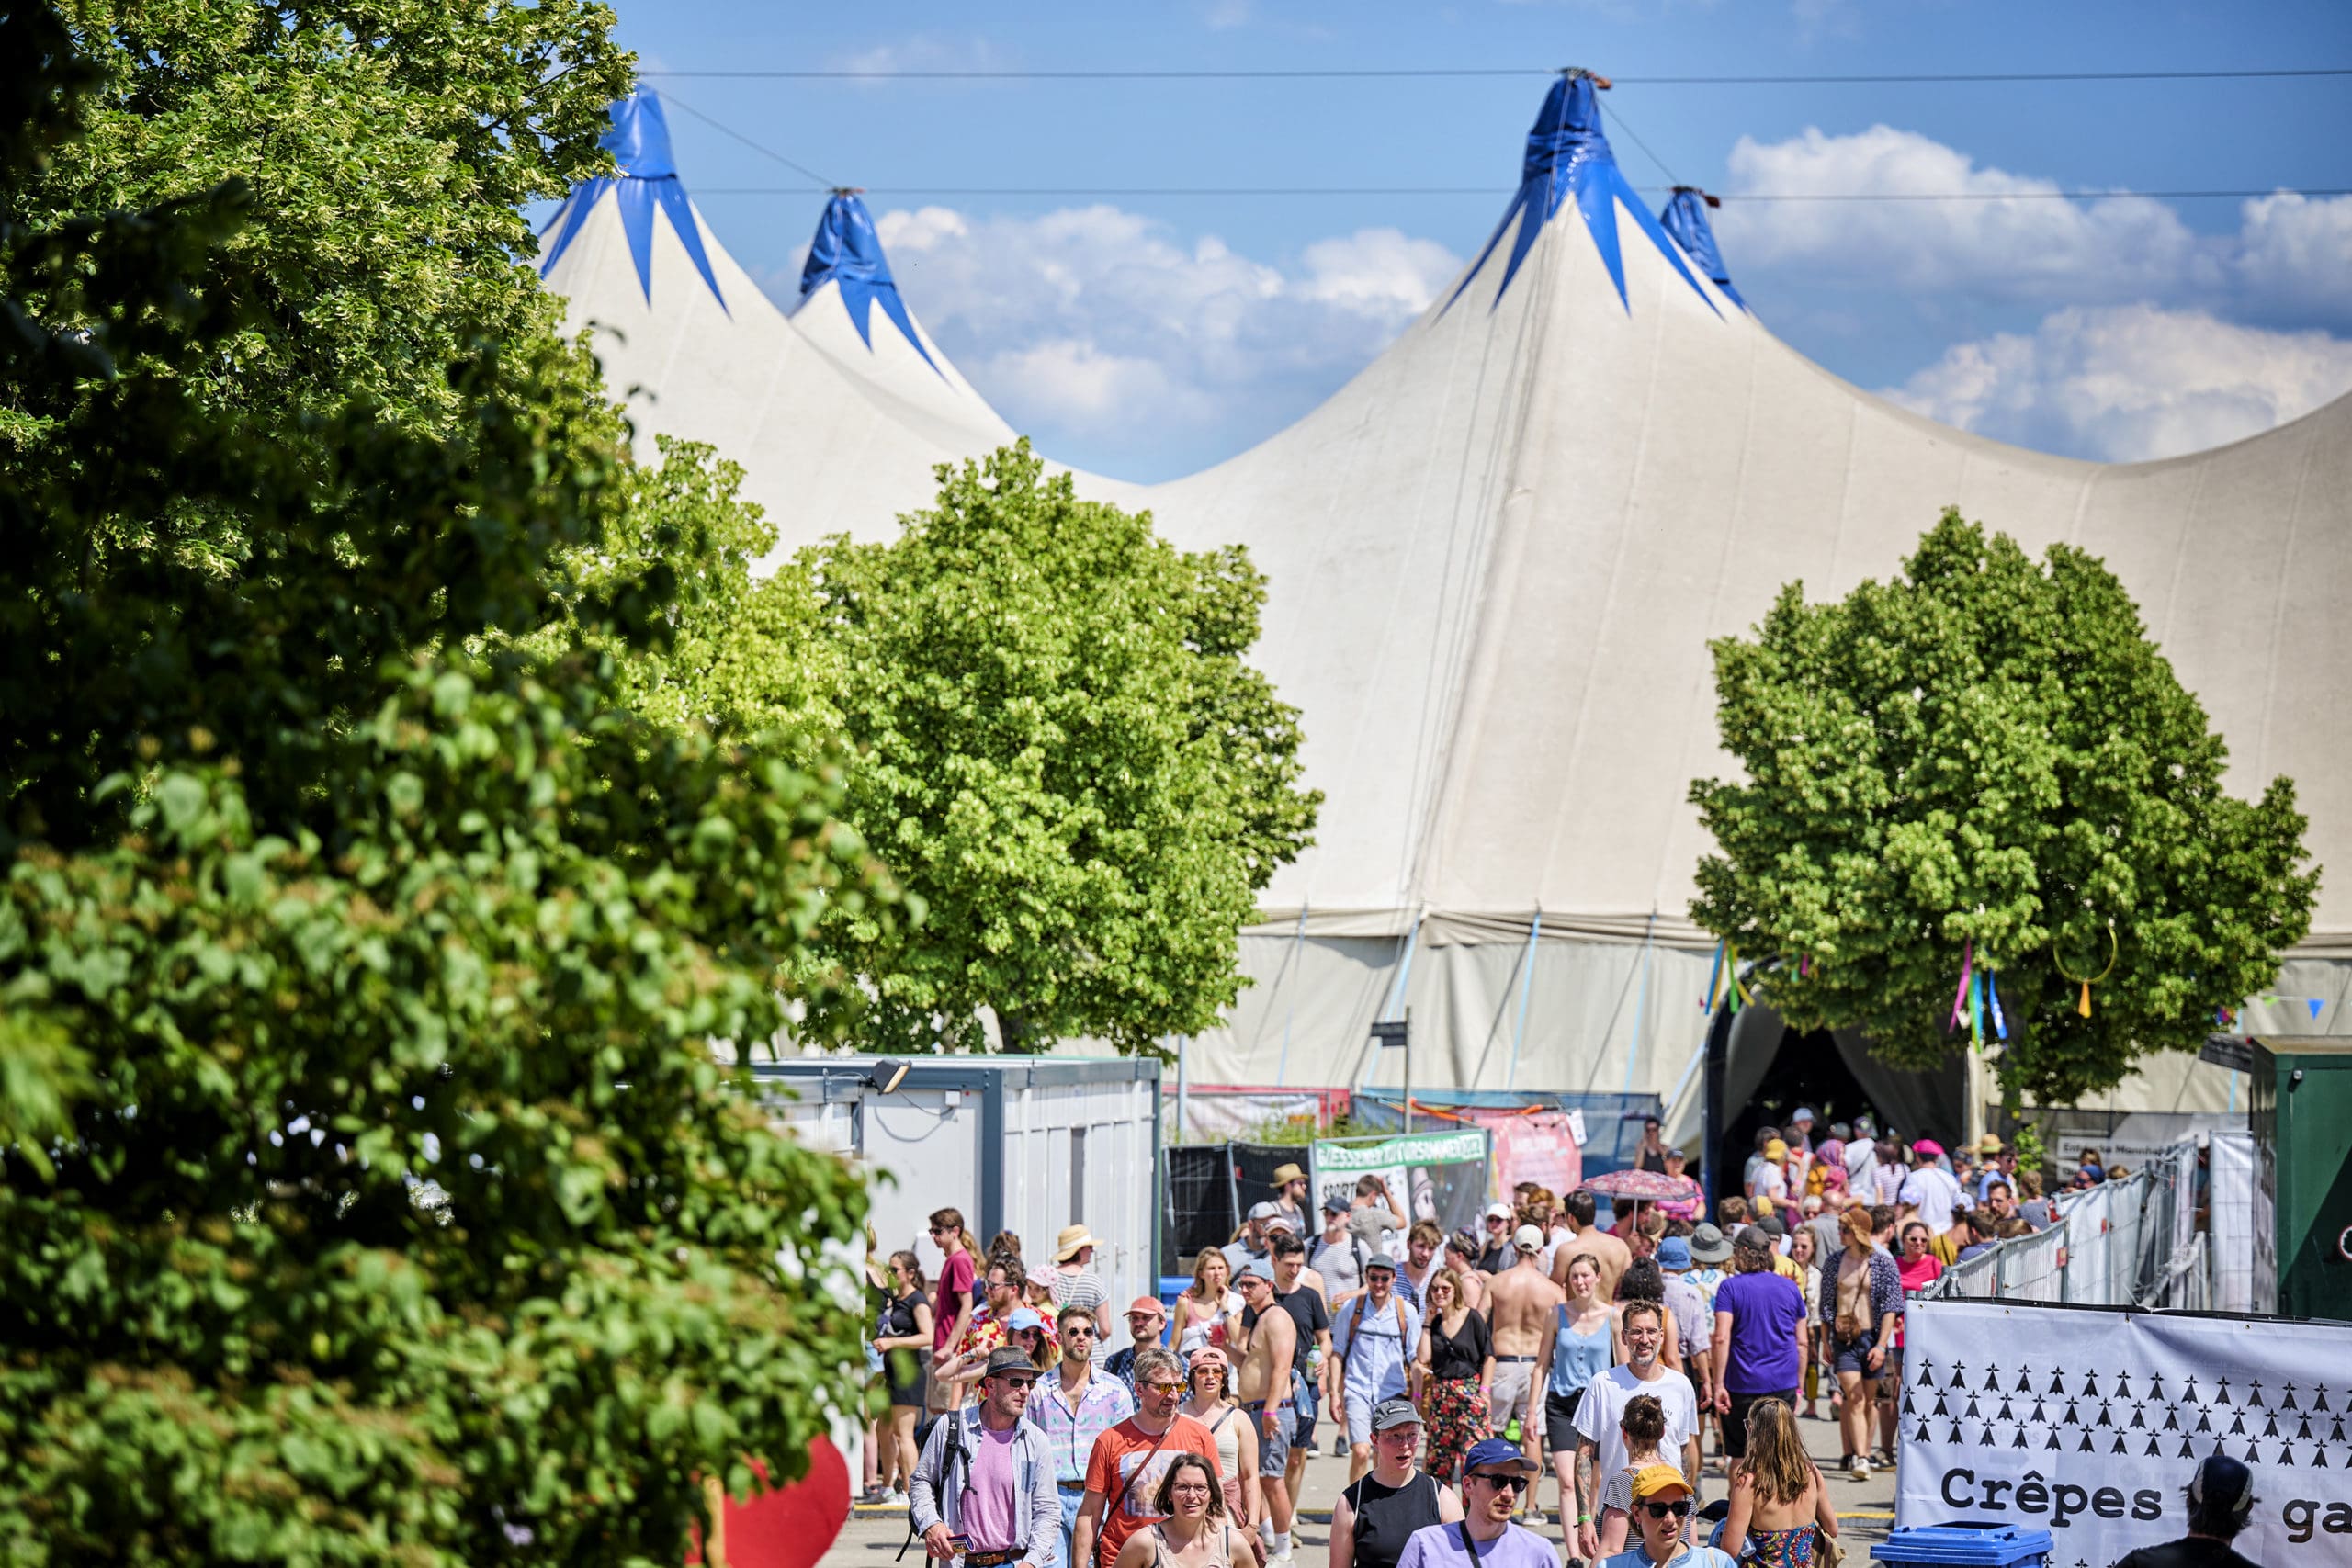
pixel 1803 1069
pixel 1758 1069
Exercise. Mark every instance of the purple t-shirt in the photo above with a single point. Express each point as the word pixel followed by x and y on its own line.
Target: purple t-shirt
pixel 989 1502
pixel 1765 1310
pixel 1439 1546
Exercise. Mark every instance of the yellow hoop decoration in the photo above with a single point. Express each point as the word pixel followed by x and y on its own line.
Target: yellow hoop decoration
pixel 2113 951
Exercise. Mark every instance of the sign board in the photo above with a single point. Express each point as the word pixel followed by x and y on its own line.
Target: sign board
pixel 2089 1423
pixel 1438 1177
pixel 1390 1034
pixel 1413 1148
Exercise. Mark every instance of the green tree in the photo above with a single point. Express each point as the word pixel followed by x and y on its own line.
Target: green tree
pixel 387 148
pixel 371 1191
pixel 1063 751
pixel 382 152
pixel 1989 751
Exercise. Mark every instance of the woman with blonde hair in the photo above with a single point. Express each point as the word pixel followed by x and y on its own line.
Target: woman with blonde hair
pixel 1778 1507
pixel 1210 1376
pixel 1209 1312
pixel 1456 1360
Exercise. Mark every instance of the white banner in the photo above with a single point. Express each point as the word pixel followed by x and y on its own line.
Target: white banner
pixel 2089 1423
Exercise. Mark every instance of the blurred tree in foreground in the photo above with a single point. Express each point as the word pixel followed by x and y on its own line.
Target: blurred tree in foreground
pixel 372 1194
pixel 1987 758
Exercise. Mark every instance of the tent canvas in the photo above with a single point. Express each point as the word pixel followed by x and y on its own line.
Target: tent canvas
pixel 1494 559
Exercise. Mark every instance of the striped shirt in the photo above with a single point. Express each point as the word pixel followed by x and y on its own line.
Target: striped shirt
pixel 1071 1430
pixel 1083 1290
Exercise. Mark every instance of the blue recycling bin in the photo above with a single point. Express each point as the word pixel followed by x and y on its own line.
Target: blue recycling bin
pixel 1981 1546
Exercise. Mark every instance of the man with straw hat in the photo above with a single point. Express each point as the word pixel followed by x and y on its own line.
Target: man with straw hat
pixel 1290 1195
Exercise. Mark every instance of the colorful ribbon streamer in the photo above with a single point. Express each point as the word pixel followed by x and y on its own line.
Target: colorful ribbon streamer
pixel 1977 1010
pixel 1722 981
pixel 2000 1020
pixel 1959 993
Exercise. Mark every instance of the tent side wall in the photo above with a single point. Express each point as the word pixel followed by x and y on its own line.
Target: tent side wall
pixel 1599 1016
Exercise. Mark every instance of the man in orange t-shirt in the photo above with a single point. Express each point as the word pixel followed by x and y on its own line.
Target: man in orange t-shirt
pixel 1130 1460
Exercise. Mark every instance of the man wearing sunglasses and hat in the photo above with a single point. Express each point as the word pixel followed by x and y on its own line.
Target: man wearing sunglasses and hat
pixel 1494 1476
pixel 983 1489
pixel 1663 1503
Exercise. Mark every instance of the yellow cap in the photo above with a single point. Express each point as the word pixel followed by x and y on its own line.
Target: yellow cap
pixel 1776 1150
pixel 1653 1479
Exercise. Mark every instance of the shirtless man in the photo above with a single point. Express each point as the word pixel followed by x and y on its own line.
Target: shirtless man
pixel 1263 1384
pixel 1520 1306
pixel 1613 1255
pixel 1298 1289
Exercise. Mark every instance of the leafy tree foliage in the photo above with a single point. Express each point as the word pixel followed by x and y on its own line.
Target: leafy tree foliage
pixel 389 147
pixel 370 1190
pixel 1062 749
pixel 1990 750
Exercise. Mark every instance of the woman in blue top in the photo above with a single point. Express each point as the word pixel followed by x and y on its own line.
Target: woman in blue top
pixel 1578 1348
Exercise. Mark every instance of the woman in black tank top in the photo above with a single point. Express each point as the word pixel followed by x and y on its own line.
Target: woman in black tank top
pixel 1379 1514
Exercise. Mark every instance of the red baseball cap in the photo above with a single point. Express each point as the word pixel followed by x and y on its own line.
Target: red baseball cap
pixel 1146 1303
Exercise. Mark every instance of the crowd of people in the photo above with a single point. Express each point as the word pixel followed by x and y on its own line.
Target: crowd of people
pixel 1454 1370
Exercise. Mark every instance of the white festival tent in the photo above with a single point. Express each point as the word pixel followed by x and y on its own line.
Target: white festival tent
pixel 1494 561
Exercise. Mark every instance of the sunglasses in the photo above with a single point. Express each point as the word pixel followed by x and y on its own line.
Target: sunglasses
pixel 1165 1387
pixel 1661 1510
pixel 1499 1483
pixel 1079 1331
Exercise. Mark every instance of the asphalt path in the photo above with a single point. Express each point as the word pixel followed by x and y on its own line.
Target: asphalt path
pixel 1865 1508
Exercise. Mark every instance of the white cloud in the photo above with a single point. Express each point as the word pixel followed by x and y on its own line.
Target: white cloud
pixel 2130 382
pixel 2016 240
pixel 2295 256
pixel 1102 324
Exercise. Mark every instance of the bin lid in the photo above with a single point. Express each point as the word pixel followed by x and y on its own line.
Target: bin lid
pixel 1997 1545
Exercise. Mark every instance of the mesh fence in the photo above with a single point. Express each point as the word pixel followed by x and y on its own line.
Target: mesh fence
pixel 1200 1204
pixel 2139 1242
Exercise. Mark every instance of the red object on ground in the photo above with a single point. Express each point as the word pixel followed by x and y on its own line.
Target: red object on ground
pixel 791 1527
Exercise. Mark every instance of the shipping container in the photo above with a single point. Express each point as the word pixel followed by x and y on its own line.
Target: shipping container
pixel 1024 1144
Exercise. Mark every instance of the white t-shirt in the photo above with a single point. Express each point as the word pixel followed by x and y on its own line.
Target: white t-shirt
pixel 1603 1406
pixel 1935 1193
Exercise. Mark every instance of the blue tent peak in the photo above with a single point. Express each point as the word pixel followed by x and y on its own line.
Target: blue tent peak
pixel 640 142
pixel 847 252
pixel 1568 155
pixel 1685 218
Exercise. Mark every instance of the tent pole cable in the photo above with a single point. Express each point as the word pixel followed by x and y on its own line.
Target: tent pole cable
pixel 1633 1045
pixel 1297 950
pixel 1526 983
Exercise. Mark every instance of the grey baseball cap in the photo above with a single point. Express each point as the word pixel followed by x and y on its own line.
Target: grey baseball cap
pixel 1394 1413
pixel 1264 1210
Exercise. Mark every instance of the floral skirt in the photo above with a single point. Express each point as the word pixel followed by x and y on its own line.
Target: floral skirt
pixel 1456 1415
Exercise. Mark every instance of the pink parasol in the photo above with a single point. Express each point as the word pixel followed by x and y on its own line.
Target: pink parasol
pixel 1640 1185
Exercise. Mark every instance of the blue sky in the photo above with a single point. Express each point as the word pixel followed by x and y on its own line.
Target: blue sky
pixel 1146 335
